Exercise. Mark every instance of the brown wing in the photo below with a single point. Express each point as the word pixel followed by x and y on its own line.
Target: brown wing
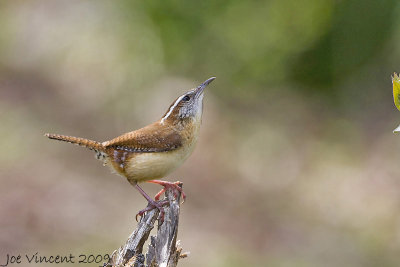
pixel 152 138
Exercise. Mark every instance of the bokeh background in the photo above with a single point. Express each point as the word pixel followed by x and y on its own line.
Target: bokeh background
pixel 296 164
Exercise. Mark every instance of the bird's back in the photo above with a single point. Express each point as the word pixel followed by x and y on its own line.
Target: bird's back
pixel 151 152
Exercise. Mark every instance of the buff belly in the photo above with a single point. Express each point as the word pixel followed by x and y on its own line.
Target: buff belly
pixel 148 166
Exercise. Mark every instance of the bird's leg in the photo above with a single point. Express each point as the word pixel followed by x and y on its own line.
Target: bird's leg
pixel 151 205
pixel 176 185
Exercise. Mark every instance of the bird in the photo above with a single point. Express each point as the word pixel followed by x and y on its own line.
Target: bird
pixel 154 151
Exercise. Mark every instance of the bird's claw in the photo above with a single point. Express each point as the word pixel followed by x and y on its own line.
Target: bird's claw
pixel 154 205
pixel 176 185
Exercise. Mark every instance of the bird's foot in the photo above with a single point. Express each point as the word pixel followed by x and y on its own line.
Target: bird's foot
pixel 154 205
pixel 177 186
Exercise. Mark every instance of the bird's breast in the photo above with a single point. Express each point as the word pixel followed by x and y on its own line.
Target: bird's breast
pixel 148 166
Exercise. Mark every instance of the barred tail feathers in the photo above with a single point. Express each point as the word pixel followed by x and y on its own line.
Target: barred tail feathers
pixel 92 145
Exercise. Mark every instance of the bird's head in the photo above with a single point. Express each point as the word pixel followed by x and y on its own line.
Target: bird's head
pixel 187 106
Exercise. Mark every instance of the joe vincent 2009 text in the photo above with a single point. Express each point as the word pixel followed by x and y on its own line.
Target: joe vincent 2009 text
pixel 10 259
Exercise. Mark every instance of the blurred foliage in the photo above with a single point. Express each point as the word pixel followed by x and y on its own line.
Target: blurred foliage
pixel 357 32
pixel 314 44
pixel 396 90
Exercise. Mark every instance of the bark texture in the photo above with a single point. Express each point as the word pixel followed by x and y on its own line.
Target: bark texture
pixel 162 250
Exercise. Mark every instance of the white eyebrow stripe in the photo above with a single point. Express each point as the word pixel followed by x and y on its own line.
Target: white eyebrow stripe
pixel 172 108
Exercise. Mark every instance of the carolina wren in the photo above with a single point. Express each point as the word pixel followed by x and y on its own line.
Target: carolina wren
pixel 156 150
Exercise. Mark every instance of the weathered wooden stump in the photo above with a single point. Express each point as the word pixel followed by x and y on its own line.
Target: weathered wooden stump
pixel 163 248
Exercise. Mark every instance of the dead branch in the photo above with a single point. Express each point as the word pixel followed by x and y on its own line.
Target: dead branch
pixel 162 249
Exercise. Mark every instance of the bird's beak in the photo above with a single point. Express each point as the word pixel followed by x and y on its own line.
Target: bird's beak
pixel 201 87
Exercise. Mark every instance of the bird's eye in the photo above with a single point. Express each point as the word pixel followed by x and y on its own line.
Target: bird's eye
pixel 186 98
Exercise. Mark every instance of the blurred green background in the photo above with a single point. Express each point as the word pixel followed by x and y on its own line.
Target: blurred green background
pixel 296 164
